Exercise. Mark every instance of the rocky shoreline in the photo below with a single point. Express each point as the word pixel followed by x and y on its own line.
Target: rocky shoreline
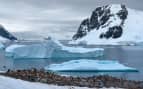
pixel 42 76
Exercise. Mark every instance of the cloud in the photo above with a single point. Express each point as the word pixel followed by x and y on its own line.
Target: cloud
pixel 59 18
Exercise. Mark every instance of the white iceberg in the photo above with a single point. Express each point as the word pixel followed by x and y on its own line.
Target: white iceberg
pixel 77 49
pixel 11 48
pixel 76 52
pixel 27 51
pixel 51 49
pixel 85 65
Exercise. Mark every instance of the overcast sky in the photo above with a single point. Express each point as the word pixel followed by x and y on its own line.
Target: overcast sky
pixel 57 18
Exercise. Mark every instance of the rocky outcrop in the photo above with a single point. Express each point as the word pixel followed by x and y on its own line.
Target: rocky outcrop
pixel 101 18
pixel 4 33
pixel 34 75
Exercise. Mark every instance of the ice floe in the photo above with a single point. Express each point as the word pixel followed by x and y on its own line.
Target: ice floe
pixel 90 65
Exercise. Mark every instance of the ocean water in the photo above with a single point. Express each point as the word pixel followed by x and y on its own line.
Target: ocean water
pixel 131 56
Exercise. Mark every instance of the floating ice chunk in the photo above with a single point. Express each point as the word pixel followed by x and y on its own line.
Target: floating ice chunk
pixel 77 49
pixel 27 51
pixel 70 55
pixel 1 46
pixel 75 52
pixel 11 48
pixel 90 65
pixel 81 50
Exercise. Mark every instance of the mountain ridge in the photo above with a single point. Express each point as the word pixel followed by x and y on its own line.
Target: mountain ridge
pixel 111 24
pixel 5 34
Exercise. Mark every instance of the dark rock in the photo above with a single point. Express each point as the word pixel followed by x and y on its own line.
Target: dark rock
pixel 114 32
pixel 123 13
pixel 4 33
pixel 102 35
pixel 83 29
pixel 100 18
pixel 94 20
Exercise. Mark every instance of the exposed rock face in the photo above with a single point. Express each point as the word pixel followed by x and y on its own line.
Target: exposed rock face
pixel 104 17
pixel 4 33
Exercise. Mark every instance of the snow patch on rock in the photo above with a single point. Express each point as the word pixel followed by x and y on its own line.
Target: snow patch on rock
pixel 123 25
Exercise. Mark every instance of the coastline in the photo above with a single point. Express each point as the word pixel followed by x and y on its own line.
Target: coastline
pixel 20 84
pixel 41 76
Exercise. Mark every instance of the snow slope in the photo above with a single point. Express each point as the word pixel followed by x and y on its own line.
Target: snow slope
pixel 131 28
pixel 10 83
pixel 90 65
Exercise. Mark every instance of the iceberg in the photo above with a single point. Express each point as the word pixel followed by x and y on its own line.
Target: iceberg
pixel 76 52
pixel 85 65
pixel 51 49
pixel 27 51
pixel 76 49
pixel 12 47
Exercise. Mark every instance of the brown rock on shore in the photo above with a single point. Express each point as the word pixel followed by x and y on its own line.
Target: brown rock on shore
pixel 34 75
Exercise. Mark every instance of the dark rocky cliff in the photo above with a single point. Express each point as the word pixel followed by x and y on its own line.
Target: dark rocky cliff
pixel 101 18
pixel 5 34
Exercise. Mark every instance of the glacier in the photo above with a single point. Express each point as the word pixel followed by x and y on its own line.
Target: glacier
pixel 86 65
pixel 51 49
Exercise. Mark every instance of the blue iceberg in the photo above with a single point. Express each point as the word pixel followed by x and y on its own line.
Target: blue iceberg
pixel 1 46
pixel 51 49
pixel 84 65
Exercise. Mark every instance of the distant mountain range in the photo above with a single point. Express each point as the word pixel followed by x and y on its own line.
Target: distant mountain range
pixel 111 24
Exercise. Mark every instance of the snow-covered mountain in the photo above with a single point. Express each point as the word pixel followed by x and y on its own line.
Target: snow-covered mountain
pixel 111 24
pixel 4 34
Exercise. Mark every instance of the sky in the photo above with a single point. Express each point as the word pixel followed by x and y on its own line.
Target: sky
pixel 57 18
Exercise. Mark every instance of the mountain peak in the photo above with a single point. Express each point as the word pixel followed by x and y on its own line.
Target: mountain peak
pixel 110 23
pixel 102 17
